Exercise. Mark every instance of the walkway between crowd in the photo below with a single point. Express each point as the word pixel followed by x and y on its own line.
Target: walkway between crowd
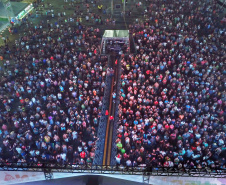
pixel 107 124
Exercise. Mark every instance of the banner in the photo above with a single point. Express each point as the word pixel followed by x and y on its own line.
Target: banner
pixel 14 177
pixel 186 181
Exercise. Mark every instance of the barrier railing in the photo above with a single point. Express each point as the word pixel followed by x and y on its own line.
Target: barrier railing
pixel 116 116
pixel 103 120
pixel 112 169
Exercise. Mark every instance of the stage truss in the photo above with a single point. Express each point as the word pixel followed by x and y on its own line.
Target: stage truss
pixel 119 36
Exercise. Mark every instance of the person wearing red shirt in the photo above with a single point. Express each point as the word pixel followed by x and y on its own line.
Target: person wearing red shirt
pixel 82 154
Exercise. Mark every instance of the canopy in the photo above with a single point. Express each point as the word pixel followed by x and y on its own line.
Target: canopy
pixel 116 34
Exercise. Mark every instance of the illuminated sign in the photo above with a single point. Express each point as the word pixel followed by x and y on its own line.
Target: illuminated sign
pixel 28 7
pixel 25 11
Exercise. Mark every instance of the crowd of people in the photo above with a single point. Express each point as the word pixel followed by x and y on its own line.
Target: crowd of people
pixel 51 100
pixel 172 99
pixel 172 96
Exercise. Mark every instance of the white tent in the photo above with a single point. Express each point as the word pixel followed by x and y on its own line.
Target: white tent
pixel 120 36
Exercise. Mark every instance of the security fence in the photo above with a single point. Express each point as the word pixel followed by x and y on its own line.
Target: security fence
pixel 103 119
pixel 116 116
pixel 114 169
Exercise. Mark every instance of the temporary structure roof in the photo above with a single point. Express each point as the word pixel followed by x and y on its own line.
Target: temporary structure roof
pixel 116 34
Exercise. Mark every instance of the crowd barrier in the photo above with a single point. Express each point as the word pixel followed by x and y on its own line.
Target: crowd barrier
pixel 114 169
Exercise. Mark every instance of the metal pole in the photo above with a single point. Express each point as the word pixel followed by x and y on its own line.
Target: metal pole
pixel 111 7
pixel 124 6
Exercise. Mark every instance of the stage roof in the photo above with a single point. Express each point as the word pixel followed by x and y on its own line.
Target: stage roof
pixel 16 6
pixel 116 33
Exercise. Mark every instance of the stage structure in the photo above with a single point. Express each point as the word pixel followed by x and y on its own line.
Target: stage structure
pixel 117 7
pixel 8 9
pixel 14 11
pixel 115 41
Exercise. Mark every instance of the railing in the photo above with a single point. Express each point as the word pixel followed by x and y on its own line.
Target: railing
pixel 116 116
pixel 117 170
pixel 223 4
pixel 103 120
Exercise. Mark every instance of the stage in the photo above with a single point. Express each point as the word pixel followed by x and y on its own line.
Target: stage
pixel 16 6
pixel 19 10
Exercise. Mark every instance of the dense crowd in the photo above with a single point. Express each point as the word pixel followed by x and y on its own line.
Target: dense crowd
pixel 172 96
pixel 51 100
pixel 172 99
